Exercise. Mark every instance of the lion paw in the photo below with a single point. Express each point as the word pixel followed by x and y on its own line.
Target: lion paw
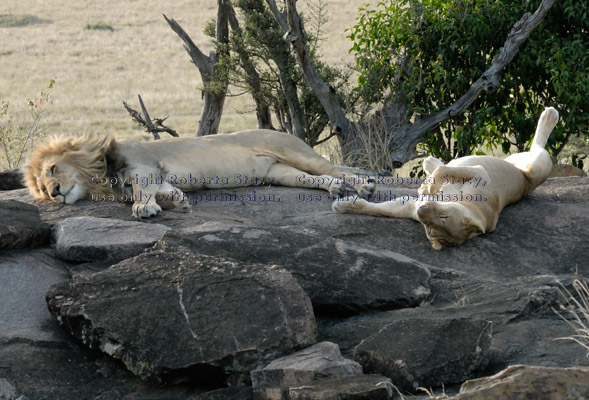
pixel 348 204
pixel 430 164
pixel 367 190
pixel 337 189
pixel 549 118
pixel 142 210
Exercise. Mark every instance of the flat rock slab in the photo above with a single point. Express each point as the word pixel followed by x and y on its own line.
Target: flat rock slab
pixel 103 239
pixel 360 387
pixel 427 352
pixel 529 382
pixel 176 316
pixel 339 275
pixel 25 278
pixel 319 361
pixel 21 225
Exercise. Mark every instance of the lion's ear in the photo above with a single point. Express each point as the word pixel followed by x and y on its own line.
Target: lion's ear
pixel 473 227
pixel 106 144
pixel 97 144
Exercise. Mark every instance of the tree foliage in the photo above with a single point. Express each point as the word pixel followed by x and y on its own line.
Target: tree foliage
pixel 429 52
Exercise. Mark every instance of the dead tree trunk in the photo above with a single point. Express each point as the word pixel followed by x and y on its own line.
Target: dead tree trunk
pixel 214 100
pixel 252 77
pixel 295 34
pixel 404 136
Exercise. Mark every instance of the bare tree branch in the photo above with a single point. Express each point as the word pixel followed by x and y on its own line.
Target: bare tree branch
pixel 214 100
pixel 146 121
pixel 294 33
pixel 403 147
pixel 252 77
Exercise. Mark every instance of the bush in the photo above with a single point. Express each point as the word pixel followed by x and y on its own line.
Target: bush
pixel 20 130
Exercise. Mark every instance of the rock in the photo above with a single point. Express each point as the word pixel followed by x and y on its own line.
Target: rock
pixel 427 352
pixel 509 277
pixel 21 226
pixel 231 393
pixel 66 370
pixel 521 382
pixel 25 278
pixel 92 239
pixel 178 316
pixel 565 170
pixel 11 179
pixel 338 275
pixel 360 387
pixel 7 390
pixel 320 361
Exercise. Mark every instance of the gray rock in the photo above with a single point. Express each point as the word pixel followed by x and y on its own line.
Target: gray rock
pixel 11 179
pixel 359 387
pixel 231 393
pixel 25 277
pixel 7 390
pixel 427 352
pixel 180 316
pixel 92 239
pixel 338 275
pixel 521 382
pixel 320 361
pixel 21 226
pixel 64 370
pixel 508 277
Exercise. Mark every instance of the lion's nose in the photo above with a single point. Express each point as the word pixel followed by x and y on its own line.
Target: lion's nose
pixel 422 211
pixel 55 192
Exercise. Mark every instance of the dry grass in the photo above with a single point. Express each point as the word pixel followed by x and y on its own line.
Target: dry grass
pixel 575 312
pixel 95 69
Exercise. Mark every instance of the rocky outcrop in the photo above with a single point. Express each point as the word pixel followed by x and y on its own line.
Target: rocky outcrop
pixel 21 226
pixel 11 179
pixel 339 276
pixel 378 291
pixel 173 317
pixel 103 239
pixel 317 372
pixel 427 352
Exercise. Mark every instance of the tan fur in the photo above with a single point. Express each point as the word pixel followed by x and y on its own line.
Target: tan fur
pixel 463 199
pixel 153 174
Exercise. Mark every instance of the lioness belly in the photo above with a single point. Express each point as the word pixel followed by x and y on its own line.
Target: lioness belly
pixel 508 181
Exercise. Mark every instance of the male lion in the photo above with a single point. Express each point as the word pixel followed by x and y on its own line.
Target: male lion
pixel 153 174
pixel 463 199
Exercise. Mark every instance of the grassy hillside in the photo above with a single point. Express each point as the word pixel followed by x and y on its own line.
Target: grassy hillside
pixel 101 53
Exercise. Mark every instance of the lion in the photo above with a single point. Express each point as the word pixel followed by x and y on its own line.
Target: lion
pixel 463 199
pixel 154 174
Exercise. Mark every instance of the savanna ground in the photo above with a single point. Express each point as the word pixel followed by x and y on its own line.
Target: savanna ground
pixel 134 53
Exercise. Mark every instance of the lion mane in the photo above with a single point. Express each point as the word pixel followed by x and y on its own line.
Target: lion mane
pixel 88 157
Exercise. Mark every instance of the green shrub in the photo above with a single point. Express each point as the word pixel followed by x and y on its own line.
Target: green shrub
pixel 20 130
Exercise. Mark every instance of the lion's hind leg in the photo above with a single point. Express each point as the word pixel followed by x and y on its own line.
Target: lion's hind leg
pixel 430 164
pixel 546 124
pixel 394 208
pixel 537 164
pixel 285 175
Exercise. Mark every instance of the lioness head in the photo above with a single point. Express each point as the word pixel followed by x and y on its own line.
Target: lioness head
pixel 67 169
pixel 449 224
